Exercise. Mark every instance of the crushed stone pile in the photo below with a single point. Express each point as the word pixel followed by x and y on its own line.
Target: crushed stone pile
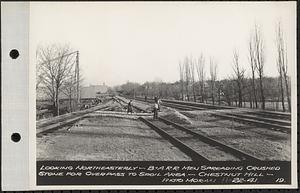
pixel 177 117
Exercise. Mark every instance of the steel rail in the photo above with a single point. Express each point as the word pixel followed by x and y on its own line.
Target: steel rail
pixel 55 126
pixel 195 156
pixel 268 120
pixel 228 149
pixel 271 126
pixel 138 108
pixel 278 114
pixel 261 113
pixel 195 104
pixel 66 119
pixel 53 120
pixel 187 103
pixel 174 105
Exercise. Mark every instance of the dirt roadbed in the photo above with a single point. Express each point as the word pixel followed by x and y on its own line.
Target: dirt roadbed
pixel 107 138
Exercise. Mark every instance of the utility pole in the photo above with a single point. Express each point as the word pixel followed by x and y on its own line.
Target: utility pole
pixel 77 78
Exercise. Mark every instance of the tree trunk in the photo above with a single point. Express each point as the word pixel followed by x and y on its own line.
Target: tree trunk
pixel 250 100
pixel 287 91
pixel 194 94
pixel 240 94
pixel 219 96
pixel 202 92
pixel 182 91
pixel 70 102
pixel 57 103
pixel 187 92
pixel 262 92
pixel 282 93
pixel 212 94
pixel 254 90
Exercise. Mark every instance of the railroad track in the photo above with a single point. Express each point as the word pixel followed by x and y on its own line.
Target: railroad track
pixel 118 99
pixel 196 145
pixel 277 121
pixel 195 104
pixel 55 123
pixel 182 107
pixel 188 105
pixel 259 118
pixel 273 124
pixel 177 106
pixel 270 114
pixel 185 105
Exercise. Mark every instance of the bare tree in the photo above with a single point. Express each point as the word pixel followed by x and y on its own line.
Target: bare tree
pixel 282 66
pixel 69 89
pixel 57 64
pixel 281 85
pixel 279 68
pixel 181 73
pixel 147 87
pixel 253 69
pixel 201 75
pixel 213 78
pixel 259 60
pixel 187 73
pixel 192 72
pixel 39 76
pixel 228 90
pixel 286 80
pixel 248 90
pixel 239 76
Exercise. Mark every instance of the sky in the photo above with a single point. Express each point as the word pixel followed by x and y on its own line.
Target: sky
pixel 144 41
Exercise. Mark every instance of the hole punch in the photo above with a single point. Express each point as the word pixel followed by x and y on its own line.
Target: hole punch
pixel 15 137
pixel 14 54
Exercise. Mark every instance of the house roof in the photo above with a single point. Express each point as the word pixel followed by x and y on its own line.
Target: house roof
pixel 85 92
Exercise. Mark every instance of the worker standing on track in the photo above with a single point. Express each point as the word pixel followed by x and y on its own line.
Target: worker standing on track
pixel 158 103
pixel 155 110
pixel 129 107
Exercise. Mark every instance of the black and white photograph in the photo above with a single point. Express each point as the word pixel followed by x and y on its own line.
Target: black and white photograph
pixel 143 81
pixel 155 90
pixel 163 81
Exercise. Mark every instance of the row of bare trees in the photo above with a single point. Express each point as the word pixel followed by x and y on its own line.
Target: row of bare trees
pixel 257 62
pixel 188 83
pixel 187 79
pixel 254 89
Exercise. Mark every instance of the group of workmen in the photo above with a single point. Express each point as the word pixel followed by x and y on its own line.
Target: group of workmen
pixel 156 107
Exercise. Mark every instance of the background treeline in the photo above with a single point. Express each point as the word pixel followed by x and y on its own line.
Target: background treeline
pixel 198 84
pixel 228 95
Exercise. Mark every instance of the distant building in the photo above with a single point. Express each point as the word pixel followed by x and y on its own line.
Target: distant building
pixel 86 92
pixel 93 91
